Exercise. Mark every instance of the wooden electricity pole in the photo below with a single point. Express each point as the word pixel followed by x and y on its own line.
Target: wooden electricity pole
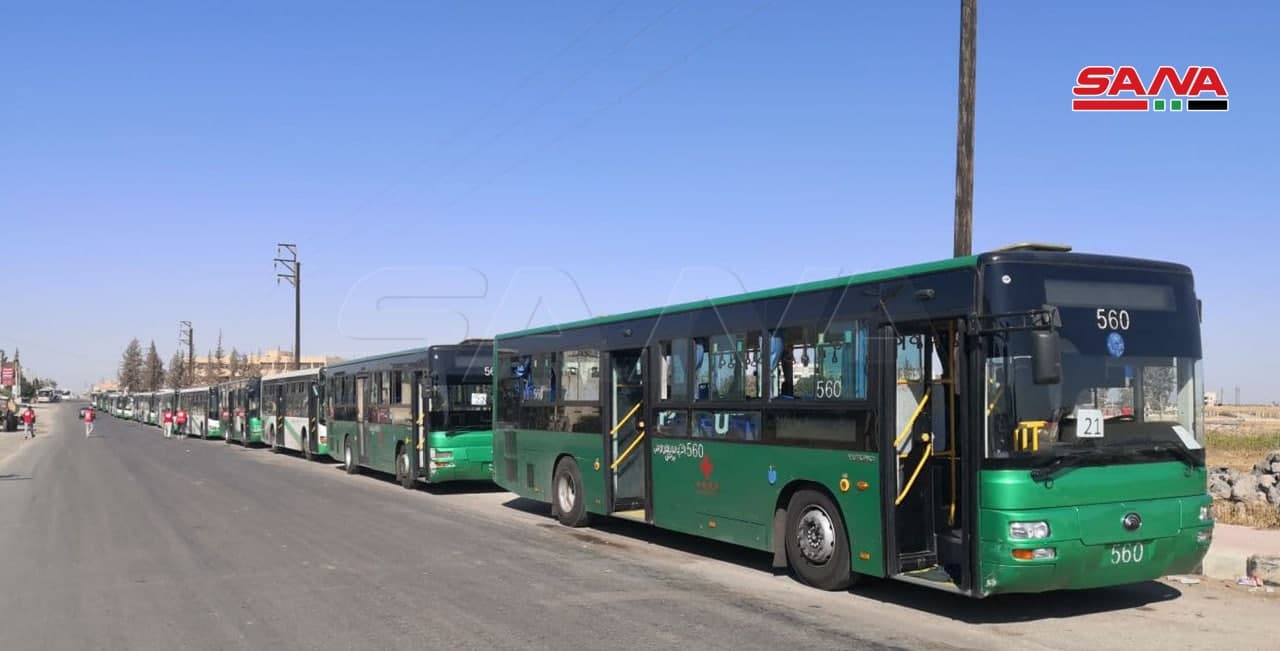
pixel 964 127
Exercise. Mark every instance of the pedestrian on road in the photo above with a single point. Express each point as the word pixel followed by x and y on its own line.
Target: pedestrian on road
pixel 182 422
pixel 29 423
pixel 88 421
pixel 166 419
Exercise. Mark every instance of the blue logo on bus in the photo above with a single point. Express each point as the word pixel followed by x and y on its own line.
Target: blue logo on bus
pixel 1115 344
pixel 773 476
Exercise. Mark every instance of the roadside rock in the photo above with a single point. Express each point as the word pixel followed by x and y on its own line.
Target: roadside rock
pixel 1220 486
pixel 1260 485
pixel 1245 489
pixel 1265 567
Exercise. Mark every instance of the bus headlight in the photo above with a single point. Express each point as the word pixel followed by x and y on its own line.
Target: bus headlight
pixel 1028 530
pixel 1206 513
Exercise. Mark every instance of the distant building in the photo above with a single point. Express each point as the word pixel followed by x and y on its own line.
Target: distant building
pixel 1211 399
pixel 262 363
pixel 105 386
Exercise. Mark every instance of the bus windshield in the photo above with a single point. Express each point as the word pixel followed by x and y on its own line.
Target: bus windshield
pixel 1131 381
pixel 462 406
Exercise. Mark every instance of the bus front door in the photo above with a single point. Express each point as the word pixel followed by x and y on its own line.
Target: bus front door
pixel 625 438
pixel 361 418
pixel 922 482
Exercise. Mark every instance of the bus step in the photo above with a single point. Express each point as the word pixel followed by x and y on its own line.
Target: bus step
pixel 634 514
pixel 930 577
pixel 912 561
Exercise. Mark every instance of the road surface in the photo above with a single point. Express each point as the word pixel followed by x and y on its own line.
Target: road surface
pixel 128 541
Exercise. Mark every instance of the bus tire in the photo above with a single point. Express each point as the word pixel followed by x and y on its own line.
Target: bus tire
pixel 566 490
pixel 349 461
pixel 404 469
pixel 817 545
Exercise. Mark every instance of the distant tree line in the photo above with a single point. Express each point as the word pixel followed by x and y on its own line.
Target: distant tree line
pixel 147 371
pixel 31 384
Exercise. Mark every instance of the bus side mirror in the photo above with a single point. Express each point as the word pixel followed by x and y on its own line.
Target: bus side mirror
pixel 1046 357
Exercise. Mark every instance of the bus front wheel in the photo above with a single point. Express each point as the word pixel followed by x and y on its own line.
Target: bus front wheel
pixel 571 504
pixel 817 545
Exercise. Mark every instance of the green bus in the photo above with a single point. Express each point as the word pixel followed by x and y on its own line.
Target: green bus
pixel 196 401
pixel 1023 420
pixel 142 406
pixel 291 412
pixel 240 410
pixel 421 414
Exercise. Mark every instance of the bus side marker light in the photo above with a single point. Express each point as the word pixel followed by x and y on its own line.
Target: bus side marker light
pixel 864 556
pixel 711 524
pixel 844 484
pixel 596 465
pixel 863 485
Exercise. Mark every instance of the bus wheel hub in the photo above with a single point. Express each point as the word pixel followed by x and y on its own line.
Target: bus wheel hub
pixel 816 535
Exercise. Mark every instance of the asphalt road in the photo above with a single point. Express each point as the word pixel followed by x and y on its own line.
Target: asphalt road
pixel 128 541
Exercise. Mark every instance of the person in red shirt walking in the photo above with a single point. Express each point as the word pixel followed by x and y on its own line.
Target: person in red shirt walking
pixel 166 420
pixel 29 423
pixel 181 420
pixel 88 421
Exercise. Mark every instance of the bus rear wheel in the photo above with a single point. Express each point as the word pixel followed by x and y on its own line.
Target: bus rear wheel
pixel 571 504
pixel 349 457
pixel 817 545
pixel 404 470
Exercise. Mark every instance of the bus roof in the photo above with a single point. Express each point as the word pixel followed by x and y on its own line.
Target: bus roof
pixel 305 372
pixel 1038 253
pixel 407 355
pixel 887 274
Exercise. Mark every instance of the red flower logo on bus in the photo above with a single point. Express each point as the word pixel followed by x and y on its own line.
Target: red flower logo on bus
pixel 707 486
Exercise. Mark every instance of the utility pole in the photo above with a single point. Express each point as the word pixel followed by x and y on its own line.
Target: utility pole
pixel 186 335
pixel 293 274
pixel 964 127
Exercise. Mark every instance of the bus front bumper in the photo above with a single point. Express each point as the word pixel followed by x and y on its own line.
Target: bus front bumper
pixel 1076 565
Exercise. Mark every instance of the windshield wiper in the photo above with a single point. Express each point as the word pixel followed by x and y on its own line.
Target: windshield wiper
pixel 1179 452
pixel 1061 463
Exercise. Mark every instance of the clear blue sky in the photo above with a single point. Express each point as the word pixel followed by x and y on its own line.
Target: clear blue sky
pixel 152 154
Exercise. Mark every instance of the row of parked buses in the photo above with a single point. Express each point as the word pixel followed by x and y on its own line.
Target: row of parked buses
pixel 1022 420
pixel 421 414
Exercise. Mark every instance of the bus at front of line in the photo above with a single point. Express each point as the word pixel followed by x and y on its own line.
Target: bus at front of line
pixel 240 410
pixel 421 414
pixel 291 412
pixel 1018 421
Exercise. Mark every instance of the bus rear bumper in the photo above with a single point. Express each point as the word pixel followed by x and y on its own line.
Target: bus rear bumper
pixel 1077 565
